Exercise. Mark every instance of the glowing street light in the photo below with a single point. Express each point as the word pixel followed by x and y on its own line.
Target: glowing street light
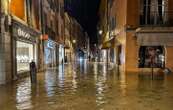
pixel 74 41
pixel 100 32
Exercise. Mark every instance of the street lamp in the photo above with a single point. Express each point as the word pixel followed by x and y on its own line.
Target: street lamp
pixel 100 32
pixel 74 41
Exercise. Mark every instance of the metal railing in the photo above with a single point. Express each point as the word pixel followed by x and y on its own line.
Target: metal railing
pixel 157 19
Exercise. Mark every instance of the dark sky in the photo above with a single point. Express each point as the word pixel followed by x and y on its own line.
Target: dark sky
pixel 85 11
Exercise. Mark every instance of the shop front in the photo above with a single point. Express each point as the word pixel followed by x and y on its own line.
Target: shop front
pixel 154 49
pixel 61 54
pixel 152 56
pixel 50 53
pixel 24 46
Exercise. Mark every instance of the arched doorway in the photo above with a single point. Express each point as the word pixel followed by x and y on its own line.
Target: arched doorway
pixel 151 56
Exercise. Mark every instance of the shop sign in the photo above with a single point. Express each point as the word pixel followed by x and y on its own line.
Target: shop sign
pixel 44 37
pixel 50 44
pixel 22 33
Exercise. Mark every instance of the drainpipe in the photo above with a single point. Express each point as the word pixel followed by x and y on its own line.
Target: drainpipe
pixel 107 30
pixel 42 29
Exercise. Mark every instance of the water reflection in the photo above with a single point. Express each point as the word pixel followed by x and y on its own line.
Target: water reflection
pixel 23 95
pixel 61 76
pixel 74 82
pixel 123 84
pixel 88 86
pixel 100 79
pixel 50 82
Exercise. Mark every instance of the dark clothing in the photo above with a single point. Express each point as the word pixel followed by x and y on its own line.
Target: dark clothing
pixel 65 59
pixel 32 65
pixel 33 71
pixel 89 58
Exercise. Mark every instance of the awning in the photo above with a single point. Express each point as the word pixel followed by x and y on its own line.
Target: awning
pixel 155 39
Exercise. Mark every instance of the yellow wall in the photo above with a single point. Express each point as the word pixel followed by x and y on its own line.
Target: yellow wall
pixel 127 17
pixel 17 8
pixel 131 53
pixel 132 48
pixel 121 11
pixel 133 13
pixel 169 57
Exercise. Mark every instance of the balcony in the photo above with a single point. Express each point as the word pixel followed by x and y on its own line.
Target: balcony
pixel 155 30
pixel 156 19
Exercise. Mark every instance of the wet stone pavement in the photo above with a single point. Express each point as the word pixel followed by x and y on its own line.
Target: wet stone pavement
pixel 88 86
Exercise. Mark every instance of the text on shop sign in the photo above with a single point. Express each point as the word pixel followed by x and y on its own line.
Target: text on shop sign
pixel 22 33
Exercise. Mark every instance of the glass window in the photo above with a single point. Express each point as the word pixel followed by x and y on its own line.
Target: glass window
pixel 151 56
pixel 24 54
pixel 154 12
pixel 17 8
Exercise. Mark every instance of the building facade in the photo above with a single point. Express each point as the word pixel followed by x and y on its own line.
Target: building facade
pixel 37 30
pixel 50 32
pixel 68 38
pixel 20 32
pixel 80 40
pixel 30 30
pixel 143 34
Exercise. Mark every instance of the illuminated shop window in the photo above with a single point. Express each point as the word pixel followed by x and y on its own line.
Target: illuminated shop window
pixel 151 56
pixel 17 8
pixel 24 54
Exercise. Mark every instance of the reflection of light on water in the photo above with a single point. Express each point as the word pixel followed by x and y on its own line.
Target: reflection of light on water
pixel 85 66
pixel 61 75
pixel 123 84
pixel 95 68
pixel 23 96
pixel 50 83
pixel 74 82
pixel 104 68
pixel 100 96
pixel 100 80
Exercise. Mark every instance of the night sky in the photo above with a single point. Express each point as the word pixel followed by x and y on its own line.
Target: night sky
pixel 85 12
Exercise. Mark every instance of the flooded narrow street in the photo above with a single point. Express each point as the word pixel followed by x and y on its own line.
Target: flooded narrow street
pixel 88 86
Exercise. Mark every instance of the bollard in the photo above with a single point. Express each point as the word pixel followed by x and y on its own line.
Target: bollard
pixel 33 75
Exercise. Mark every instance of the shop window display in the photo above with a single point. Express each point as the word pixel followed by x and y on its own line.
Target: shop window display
pixel 25 54
pixel 50 54
pixel 151 56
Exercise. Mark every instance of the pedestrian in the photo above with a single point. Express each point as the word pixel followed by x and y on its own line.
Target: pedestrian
pixel 62 61
pixel 65 59
pixel 89 57
pixel 33 70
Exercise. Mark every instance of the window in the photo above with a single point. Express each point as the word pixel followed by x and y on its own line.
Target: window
pixel 25 54
pixel 154 12
pixel 112 23
pixel 17 8
pixel 151 56
pixel 111 3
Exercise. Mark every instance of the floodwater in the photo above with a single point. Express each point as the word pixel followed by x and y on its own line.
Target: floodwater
pixel 88 86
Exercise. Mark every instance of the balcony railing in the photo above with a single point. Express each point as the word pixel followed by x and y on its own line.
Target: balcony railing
pixel 157 19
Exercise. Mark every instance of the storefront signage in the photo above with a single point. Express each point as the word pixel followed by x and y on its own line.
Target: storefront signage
pixel 22 33
pixel 50 44
pixel 44 37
